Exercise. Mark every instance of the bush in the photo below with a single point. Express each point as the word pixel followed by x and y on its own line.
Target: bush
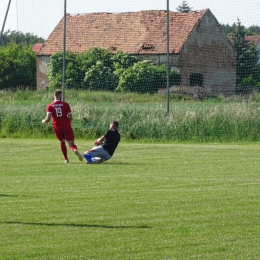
pixel 140 78
pixel 122 60
pixel 17 68
pixel 77 64
pixel 90 57
pixel 56 70
pixel 145 77
pixel 99 69
pixel 100 77
pixel 174 77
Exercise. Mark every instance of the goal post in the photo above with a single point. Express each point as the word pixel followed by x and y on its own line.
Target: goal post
pixel 64 51
pixel 6 14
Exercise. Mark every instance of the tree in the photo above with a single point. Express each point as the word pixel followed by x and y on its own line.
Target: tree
pixel 99 69
pixel 100 77
pixel 77 64
pixel 145 77
pixel 72 73
pixel 246 59
pixel 184 7
pixel 91 56
pixel 17 67
pixel 251 30
pixel 17 60
pixel 255 29
pixel 22 39
pixel 228 29
pixel 139 78
pixel 123 60
pixel 161 78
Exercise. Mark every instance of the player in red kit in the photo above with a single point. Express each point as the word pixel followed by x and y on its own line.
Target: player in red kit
pixel 61 115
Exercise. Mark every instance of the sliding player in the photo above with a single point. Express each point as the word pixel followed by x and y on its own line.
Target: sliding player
pixel 105 146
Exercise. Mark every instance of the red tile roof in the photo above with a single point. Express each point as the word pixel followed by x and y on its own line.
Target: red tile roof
pixel 36 47
pixel 253 38
pixel 132 32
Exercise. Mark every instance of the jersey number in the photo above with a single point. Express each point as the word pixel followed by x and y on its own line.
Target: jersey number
pixel 58 112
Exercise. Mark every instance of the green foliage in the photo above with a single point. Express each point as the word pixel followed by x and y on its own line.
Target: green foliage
pixel 22 39
pixel 140 78
pixel 77 65
pixel 100 77
pixel 247 56
pixel 254 29
pixel 86 60
pixel 161 77
pixel 251 30
pixel 99 69
pixel 123 60
pixel 228 29
pixel 248 81
pixel 93 55
pixel 184 7
pixel 145 77
pixel 17 67
pixel 56 70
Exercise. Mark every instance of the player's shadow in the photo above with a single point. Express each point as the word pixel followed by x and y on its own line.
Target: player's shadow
pixel 115 163
pixel 7 195
pixel 76 225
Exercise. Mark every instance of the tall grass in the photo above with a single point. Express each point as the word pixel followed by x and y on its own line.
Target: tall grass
pixel 211 121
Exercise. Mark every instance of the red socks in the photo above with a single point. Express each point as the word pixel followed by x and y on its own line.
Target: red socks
pixel 74 147
pixel 64 150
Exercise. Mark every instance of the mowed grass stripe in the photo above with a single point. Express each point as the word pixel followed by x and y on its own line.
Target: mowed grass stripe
pixel 150 201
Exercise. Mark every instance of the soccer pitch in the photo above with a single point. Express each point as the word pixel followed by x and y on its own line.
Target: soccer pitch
pixel 150 201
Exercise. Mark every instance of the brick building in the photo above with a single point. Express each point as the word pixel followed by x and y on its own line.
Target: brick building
pixel 199 49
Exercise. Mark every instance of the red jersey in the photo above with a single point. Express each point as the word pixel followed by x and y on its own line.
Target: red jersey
pixel 59 111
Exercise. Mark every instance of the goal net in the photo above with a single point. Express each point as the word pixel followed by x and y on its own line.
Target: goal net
pixel 170 50
pixel 206 52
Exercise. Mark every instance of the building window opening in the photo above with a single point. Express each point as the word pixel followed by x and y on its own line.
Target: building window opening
pixel 196 79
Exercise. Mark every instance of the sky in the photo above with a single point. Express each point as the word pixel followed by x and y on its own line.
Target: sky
pixel 40 17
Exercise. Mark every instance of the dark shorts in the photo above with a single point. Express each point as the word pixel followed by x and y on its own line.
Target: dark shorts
pixel 64 134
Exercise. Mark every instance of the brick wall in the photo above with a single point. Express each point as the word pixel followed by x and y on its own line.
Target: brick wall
pixel 208 52
pixel 42 70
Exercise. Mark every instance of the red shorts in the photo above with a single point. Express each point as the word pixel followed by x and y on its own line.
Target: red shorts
pixel 64 134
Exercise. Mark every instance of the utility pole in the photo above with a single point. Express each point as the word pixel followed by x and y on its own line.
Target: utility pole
pixel 5 19
pixel 168 63
pixel 64 51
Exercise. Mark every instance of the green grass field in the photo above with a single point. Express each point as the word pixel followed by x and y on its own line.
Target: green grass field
pixel 150 201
